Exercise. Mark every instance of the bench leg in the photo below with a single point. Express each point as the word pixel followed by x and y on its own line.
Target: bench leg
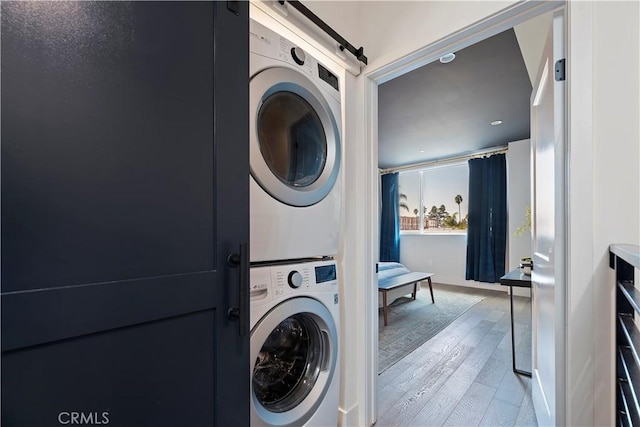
pixel 384 306
pixel 415 290
pixel 431 290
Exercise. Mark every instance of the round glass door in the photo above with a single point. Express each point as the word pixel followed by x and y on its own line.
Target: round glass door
pixel 291 138
pixel 295 144
pixel 294 354
pixel 288 364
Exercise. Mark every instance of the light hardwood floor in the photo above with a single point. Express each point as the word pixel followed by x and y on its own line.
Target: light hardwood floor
pixel 463 375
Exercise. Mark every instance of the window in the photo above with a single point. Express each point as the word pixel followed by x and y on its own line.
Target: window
pixel 442 192
pixel 409 204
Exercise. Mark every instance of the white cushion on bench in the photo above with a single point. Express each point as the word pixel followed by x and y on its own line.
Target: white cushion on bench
pixel 390 269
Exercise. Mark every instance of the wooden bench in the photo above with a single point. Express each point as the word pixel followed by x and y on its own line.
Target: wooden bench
pixel 394 282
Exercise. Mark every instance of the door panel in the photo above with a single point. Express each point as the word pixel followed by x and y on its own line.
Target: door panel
pixel 108 124
pixel 79 310
pixel 131 374
pixel 548 284
pixel 124 189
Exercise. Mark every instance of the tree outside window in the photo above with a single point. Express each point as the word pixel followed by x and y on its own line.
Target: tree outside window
pixel 442 192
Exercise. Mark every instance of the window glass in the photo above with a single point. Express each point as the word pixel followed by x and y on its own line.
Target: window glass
pixel 441 193
pixel 409 202
pixel 445 198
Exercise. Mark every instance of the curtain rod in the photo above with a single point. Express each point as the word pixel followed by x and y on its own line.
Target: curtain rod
pixel 344 44
pixel 460 158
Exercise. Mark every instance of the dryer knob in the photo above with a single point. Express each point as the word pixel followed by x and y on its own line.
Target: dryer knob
pixel 298 55
pixel 295 279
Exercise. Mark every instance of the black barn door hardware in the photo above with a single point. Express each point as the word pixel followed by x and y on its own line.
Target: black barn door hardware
pixel 344 45
pixel 241 312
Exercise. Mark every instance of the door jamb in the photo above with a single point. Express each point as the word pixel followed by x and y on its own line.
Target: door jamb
pixel 581 90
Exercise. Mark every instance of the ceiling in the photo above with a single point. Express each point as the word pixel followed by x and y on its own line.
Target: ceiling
pixel 443 110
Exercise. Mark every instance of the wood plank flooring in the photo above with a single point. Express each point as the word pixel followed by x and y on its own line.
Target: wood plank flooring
pixel 463 376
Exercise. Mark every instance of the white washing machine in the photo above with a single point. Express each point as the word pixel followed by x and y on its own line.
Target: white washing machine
pixel 295 151
pixel 295 370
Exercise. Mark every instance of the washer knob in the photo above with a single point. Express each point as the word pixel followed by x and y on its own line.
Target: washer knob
pixel 298 55
pixel 295 279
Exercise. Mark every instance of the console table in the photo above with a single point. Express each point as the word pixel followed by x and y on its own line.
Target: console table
pixel 518 279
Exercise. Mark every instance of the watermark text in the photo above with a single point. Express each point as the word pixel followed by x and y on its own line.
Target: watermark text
pixel 83 418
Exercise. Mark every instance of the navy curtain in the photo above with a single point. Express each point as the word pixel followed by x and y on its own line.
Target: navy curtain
pixel 487 227
pixel 390 219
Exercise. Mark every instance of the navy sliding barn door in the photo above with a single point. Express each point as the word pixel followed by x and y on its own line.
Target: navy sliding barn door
pixel 124 191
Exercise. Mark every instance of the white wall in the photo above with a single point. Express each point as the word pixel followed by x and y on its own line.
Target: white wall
pixel 342 16
pixel 531 36
pixel 616 171
pixel 393 29
pixel 442 255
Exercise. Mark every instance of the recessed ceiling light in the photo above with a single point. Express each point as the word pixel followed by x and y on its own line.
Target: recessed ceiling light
pixel 422 151
pixel 446 58
pixel 496 123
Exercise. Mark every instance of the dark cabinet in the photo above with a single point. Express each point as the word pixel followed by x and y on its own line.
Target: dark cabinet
pixel 625 259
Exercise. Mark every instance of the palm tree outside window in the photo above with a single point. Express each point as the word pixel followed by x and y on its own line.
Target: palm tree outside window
pixel 428 194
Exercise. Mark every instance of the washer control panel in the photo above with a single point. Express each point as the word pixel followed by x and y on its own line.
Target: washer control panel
pixel 294 279
pixel 271 282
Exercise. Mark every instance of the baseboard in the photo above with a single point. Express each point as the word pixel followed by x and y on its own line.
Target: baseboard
pixel 348 417
pixel 469 283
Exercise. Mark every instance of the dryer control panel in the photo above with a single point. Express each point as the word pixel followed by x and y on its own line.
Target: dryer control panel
pixel 267 43
pixel 272 282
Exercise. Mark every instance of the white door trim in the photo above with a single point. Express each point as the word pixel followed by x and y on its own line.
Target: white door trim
pixel 579 43
pixel 588 401
pixel 490 26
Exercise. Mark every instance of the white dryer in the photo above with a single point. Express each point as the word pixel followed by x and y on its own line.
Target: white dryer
pixel 295 151
pixel 295 370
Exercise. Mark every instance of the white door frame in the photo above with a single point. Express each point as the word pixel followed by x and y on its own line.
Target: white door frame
pixel 576 388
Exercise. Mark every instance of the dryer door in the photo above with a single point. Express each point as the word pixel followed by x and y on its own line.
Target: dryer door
pixel 295 144
pixel 294 352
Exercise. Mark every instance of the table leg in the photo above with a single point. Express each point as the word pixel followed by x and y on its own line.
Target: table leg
pixel 415 290
pixel 513 339
pixel 431 290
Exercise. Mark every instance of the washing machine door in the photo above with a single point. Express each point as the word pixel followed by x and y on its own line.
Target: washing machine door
pixel 295 144
pixel 294 352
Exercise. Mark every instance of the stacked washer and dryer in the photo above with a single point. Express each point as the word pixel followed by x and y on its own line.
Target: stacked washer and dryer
pixel 296 190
